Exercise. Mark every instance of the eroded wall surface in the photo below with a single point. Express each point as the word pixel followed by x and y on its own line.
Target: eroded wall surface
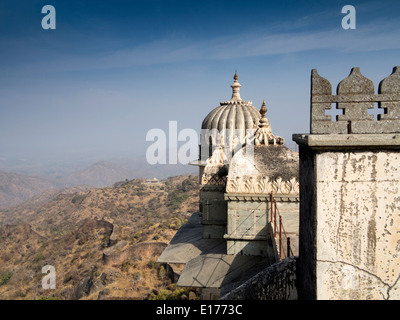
pixel 358 222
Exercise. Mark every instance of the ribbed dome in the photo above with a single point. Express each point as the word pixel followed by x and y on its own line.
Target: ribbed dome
pixel 230 122
pixel 233 114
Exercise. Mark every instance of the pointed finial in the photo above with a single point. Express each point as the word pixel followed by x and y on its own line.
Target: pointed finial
pixel 236 89
pixel 263 121
pixel 263 110
pixel 264 135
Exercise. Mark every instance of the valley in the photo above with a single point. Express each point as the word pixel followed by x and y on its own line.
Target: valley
pixel 102 242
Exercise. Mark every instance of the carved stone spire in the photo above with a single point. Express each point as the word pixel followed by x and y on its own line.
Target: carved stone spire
pixel 236 89
pixel 264 122
pixel 236 99
pixel 263 135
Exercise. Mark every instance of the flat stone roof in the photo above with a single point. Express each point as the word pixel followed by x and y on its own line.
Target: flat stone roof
pixel 188 243
pixel 221 271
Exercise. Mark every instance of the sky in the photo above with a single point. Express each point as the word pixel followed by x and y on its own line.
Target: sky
pixel 112 70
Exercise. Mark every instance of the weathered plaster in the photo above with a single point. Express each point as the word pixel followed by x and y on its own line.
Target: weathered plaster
pixel 358 214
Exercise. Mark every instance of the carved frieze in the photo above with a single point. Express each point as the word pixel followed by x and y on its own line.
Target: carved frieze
pixel 262 185
pixel 213 180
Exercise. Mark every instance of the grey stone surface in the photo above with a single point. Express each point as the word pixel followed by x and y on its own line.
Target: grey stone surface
pixel 348 211
pixel 348 140
pixel 270 161
pixel 355 83
pixel 276 282
pixel 306 269
pixel 188 243
pixel 355 96
pixel 318 127
pixel 214 212
pixel 391 84
pixel 221 271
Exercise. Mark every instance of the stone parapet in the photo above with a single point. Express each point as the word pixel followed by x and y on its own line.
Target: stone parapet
pixel 277 282
pixel 355 95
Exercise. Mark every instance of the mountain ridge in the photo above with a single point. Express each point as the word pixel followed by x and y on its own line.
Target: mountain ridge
pixel 16 187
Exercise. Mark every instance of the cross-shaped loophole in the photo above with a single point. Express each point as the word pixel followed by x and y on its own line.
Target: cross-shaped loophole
pixel 376 111
pixel 333 112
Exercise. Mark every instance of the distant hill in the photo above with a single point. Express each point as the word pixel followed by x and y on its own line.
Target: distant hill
pixel 99 174
pixel 16 188
pixel 142 169
pixel 106 173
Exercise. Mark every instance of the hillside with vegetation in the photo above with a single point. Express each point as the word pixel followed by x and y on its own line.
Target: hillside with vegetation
pixel 102 242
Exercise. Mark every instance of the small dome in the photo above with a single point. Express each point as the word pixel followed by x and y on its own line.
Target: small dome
pixel 235 120
pixel 232 116
pixel 235 114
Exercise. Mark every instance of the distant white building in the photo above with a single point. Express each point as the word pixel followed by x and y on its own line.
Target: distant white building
pixel 152 181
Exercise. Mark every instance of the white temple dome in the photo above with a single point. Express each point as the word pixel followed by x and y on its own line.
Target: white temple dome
pixel 236 115
pixel 233 114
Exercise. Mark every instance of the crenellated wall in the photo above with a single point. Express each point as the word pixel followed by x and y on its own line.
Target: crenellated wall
pixel 355 96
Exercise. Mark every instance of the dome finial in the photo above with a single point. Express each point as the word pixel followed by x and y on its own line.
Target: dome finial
pixel 263 135
pixel 264 123
pixel 263 110
pixel 236 89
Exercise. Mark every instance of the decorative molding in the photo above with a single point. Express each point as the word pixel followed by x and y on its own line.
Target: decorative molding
pixel 241 102
pixel 262 185
pixel 210 188
pixel 261 198
pixel 213 180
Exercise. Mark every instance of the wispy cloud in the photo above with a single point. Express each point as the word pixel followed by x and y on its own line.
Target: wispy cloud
pixel 375 36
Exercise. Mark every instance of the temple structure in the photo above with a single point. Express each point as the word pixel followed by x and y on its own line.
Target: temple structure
pixel 343 188
pixel 249 201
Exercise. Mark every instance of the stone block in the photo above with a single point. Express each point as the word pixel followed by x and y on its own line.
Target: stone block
pixel 326 127
pixel 367 126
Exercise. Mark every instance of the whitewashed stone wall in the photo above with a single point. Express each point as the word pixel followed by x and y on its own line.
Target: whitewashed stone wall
pixel 358 222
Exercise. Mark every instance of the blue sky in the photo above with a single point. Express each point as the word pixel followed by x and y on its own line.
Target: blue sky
pixel 112 70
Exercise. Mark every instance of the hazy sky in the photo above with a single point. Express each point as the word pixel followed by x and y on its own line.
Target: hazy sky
pixel 113 70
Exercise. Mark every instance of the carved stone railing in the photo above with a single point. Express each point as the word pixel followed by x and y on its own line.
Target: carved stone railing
pixel 355 95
